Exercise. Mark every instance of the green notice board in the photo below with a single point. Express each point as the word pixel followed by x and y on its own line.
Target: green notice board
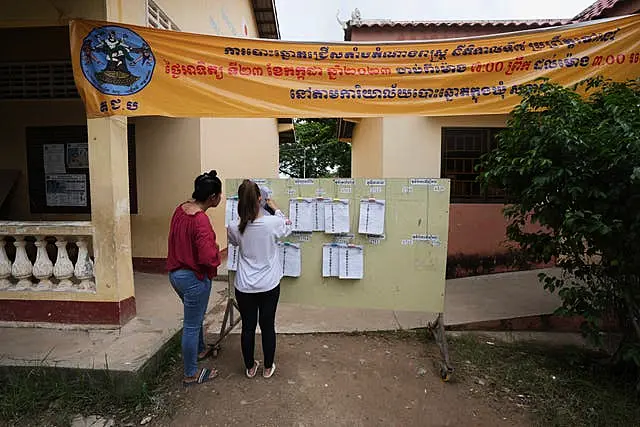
pixel 404 269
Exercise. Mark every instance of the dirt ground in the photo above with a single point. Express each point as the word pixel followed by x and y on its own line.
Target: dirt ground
pixel 335 380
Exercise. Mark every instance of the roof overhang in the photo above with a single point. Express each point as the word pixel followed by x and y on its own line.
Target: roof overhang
pixel 266 19
pixel 597 9
pixel 345 129
pixel 389 25
pixel 286 131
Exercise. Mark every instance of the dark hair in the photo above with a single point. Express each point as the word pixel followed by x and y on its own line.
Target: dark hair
pixel 206 185
pixel 248 207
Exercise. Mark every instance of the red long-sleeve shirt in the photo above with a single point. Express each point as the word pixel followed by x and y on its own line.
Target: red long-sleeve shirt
pixel 192 244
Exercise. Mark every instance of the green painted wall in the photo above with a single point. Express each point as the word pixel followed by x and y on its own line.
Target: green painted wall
pixel 400 273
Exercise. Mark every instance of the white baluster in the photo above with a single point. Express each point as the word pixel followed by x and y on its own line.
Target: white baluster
pixel 21 268
pixel 63 268
pixel 43 267
pixel 5 266
pixel 84 267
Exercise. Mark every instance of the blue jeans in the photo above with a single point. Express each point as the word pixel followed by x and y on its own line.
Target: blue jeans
pixel 194 294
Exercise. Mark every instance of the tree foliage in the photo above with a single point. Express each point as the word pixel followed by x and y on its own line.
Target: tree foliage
pixel 571 164
pixel 316 153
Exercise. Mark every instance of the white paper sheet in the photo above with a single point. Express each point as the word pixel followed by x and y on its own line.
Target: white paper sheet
pixel 231 212
pixel 351 262
pixel 53 158
pixel 66 190
pixel 371 217
pixel 318 213
pixel 331 259
pixel 336 216
pixel 78 156
pixel 290 257
pixel 301 214
pixel 232 257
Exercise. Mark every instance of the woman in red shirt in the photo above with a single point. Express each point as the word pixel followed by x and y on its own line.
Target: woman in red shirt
pixel 193 262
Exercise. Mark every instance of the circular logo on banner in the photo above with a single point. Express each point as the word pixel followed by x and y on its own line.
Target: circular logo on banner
pixel 116 60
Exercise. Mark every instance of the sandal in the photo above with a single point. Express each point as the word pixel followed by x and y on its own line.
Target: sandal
pixel 271 371
pixel 256 364
pixel 204 376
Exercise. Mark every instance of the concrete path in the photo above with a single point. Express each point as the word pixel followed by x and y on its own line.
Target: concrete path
pixel 498 296
pixel 120 349
pixel 160 316
pixel 472 299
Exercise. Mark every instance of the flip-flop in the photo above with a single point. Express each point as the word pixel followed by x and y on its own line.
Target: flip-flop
pixel 273 369
pixel 205 375
pixel 256 365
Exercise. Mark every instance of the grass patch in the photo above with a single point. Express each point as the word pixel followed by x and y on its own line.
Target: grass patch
pixel 559 386
pixel 42 395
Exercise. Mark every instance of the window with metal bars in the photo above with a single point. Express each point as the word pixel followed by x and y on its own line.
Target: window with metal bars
pixel 157 18
pixel 461 152
pixel 37 80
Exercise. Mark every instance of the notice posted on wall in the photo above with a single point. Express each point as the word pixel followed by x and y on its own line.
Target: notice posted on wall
pixel 336 216
pixel 318 213
pixel 232 257
pixel 371 217
pixel 66 190
pixel 331 259
pixel 301 214
pixel 231 212
pixel 351 263
pixel 291 259
pixel 53 159
pixel 78 156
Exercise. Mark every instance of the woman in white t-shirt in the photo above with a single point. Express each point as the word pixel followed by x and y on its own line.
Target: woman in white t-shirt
pixel 258 274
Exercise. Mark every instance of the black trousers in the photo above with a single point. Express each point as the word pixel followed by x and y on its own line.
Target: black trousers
pixel 258 308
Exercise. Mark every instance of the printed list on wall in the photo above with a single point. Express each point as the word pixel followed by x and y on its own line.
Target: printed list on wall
pixel 137 71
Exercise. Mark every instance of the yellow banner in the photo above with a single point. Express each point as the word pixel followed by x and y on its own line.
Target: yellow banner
pixel 137 71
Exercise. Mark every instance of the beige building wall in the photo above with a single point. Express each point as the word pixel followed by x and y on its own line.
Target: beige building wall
pixel 168 158
pixel 238 148
pixel 366 148
pixel 216 17
pixel 127 11
pixel 406 146
pixel 410 147
pixel 172 152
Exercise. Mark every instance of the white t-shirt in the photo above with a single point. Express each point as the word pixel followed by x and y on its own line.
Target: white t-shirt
pixel 258 267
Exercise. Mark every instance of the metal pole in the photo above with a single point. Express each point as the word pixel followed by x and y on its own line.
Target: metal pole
pixel 304 162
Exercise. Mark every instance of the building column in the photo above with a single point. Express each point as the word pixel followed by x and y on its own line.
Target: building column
pixel 109 175
pixel 367 155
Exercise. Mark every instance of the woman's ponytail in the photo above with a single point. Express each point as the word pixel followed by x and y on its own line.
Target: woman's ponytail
pixel 248 206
